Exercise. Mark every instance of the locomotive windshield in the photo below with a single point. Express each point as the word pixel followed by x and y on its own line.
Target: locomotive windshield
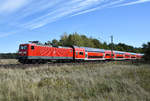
pixel 23 47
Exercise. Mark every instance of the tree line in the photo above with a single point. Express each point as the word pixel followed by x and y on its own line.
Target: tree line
pixel 82 40
pixel 8 55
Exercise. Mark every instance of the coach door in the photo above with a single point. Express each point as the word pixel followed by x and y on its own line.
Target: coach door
pixel 86 55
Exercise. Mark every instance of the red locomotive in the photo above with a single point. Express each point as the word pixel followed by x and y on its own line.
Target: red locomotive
pixel 38 53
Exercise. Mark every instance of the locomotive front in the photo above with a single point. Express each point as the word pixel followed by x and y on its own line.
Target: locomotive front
pixel 24 53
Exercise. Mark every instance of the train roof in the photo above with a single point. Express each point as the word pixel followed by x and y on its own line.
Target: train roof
pixel 132 53
pixel 120 52
pixel 87 49
pixel 140 54
pixel 40 44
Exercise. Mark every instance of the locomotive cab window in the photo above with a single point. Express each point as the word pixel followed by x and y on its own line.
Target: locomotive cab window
pixel 23 47
pixel 32 47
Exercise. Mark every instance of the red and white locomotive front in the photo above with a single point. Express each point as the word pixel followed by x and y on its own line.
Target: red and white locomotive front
pixel 23 50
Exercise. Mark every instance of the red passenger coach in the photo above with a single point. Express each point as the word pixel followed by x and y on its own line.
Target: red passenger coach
pixel 139 56
pixel 119 55
pixel 94 53
pixel 127 56
pixel 133 56
pixel 78 53
pixel 109 55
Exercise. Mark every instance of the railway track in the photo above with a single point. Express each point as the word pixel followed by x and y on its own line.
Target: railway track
pixel 13 66
pixel 25 66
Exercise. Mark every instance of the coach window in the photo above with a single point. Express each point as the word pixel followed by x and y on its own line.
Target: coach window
pixel 127 56
pixel 76 53
pixel 32 47
pixel 112 54
pixel 107 54
pixel 81 53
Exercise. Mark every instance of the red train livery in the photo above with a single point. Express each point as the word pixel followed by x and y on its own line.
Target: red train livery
pixel 39 53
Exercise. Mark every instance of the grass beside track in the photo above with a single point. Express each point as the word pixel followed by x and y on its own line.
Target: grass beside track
pixel 9 61
pixel 92 82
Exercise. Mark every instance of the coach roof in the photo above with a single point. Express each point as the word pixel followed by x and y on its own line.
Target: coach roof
pixel 87 49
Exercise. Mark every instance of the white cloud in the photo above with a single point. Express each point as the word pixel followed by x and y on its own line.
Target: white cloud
pixel 9 6
pixel 65 9
pixel 33 14
pixel 134 2
pixel 5 34
pixel 99 7
pixel 39 6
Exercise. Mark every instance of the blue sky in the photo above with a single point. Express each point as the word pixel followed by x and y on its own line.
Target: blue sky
pixel 25 20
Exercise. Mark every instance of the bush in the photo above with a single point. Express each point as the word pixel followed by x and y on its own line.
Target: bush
pixel 146 50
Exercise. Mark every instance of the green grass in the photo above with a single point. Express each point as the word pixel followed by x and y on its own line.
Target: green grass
pixel 92 82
